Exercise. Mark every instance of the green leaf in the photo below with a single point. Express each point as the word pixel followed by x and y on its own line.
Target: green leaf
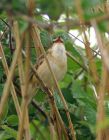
pixel 4 135
pixel 1 88
pixel 11 132
pixel 103 26
pixel 46 39
pixel 66 81
pixel 72 65
pixel 12 120
pixel 94 8
pixel 42 130
pixel 5 112
pixel 92 3
pixel 77 90
pixel 68 95
pixel 23 25
pixel 40 96
pixel 47 7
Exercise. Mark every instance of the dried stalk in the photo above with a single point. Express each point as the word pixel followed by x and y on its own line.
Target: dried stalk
pixel 73 23
pixel 55 116
pixel 52 102
pixel 36 43
pixel 39 52
pixel 22 83
pixel 24 122
pixel 59 129
pixel 104 52
pixel 60 93
pixel 100 106
pixel 26 126
pixel 10 75
pixel 52 131
pixel 13 92
pixel 31 8
pixel 25 100
pixel 2 35
pixel 38 131
pixel 103 49
pixel 103 85
pixel 21 72
pixel 92 65
pixel 24 80
pixel 26 96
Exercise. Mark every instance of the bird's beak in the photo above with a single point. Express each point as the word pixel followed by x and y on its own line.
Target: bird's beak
pixel 58 40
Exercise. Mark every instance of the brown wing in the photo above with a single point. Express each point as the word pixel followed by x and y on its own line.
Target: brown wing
pixel 39 61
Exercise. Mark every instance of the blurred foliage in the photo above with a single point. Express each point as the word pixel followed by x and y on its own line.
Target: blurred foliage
pixel 76 85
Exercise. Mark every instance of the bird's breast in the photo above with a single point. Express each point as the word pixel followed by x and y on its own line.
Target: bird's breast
pixel 58 62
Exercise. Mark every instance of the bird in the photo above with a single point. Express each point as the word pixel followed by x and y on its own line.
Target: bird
pixel 57 58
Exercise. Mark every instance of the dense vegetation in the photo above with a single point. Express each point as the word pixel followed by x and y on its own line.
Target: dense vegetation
pixel 85 87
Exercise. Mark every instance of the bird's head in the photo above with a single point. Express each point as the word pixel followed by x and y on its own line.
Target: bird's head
pixel 58 47
pixel 58 40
